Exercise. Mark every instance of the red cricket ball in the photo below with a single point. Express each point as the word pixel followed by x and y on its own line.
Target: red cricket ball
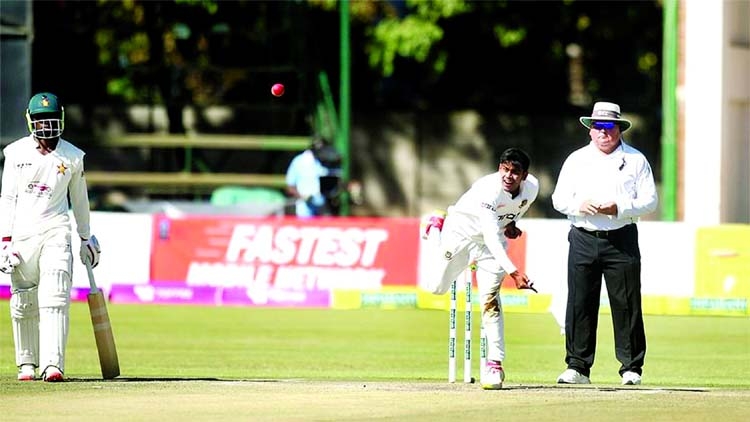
pixel 277 90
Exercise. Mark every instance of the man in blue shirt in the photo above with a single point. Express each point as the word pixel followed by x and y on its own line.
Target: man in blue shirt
pixel 303 178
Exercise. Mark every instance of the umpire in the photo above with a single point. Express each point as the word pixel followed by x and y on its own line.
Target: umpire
pixel 603 189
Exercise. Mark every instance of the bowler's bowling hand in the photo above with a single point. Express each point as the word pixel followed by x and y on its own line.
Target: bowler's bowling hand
pixel 520 279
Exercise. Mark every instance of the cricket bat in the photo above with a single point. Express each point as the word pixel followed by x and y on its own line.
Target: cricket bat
pixel 105 340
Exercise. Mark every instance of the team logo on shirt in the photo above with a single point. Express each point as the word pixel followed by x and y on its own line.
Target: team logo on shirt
pixel 61 168
pixel 39 189
pixel 488 206
pixel 523 203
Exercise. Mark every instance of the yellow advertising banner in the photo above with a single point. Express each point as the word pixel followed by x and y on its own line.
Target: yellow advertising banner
pixel 722 270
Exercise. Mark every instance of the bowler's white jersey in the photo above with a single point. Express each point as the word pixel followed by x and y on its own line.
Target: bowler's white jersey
pixel 36 189
pixel 482 213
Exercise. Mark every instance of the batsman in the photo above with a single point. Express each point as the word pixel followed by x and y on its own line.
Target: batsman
pixel 43 179
pixel 476 229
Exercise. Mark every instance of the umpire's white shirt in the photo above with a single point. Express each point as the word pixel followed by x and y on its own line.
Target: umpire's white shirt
pixel 623 176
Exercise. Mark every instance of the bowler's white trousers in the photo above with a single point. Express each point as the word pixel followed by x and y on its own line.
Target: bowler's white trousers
pixel 447 255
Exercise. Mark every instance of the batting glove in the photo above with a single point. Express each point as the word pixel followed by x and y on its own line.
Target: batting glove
pixel 90 251
pixel 9 258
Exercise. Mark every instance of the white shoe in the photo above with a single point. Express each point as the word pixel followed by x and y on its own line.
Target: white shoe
pixel 571 376
pixel 53 374
pixel 27 372
pixel 631 378
pixel 435 219
pixel 493 376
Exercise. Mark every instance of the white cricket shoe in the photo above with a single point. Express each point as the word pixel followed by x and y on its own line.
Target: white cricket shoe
pixel 26 372
pixel 631 378
pixel 493 376
pixel 571 376
pixel 435 219
pixel 53 374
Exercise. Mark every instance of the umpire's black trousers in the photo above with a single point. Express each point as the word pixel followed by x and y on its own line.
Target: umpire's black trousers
pixel 614 254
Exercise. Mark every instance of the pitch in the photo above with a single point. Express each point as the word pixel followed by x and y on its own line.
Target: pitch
pixel 309 364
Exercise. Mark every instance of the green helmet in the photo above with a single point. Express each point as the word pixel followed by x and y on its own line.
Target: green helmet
pixel 45 116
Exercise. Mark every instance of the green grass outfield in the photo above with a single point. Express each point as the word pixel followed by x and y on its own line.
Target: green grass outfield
pixel 232 363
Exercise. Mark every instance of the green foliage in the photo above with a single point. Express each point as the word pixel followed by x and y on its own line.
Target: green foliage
pixel 583 22
pixel 104 39
pixel 119 50
pixel 509 37
pixel 647 62
pixel 404 54
pixel 121 87
pixel 434 10
pixel 412 36
pixel 210 6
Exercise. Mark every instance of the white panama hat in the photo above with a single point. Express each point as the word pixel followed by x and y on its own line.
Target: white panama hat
pixel 606 112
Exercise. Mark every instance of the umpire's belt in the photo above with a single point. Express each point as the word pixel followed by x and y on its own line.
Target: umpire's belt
pixel 604 234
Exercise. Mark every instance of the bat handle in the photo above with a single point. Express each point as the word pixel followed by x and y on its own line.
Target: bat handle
pixel 92 282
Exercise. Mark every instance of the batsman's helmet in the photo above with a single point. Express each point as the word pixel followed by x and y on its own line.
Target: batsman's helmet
pixel 45 116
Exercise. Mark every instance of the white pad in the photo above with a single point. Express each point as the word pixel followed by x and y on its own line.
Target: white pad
pixel 24 315
pixel 493 319
pixel 54 305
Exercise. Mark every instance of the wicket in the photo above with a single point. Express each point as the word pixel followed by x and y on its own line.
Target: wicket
pixel 469 278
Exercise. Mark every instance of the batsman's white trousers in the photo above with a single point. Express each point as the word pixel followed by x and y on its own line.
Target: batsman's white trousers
pixel 40 298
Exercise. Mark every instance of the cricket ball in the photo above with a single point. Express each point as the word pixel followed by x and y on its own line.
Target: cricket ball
pixel 277 90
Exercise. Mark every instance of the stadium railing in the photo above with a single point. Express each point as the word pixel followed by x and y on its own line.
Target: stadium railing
pixel 187 179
